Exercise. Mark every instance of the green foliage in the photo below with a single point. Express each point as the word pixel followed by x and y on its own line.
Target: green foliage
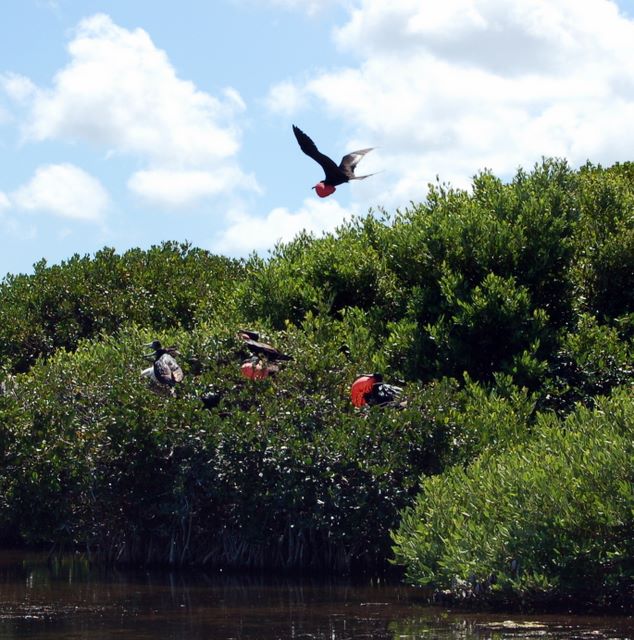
pixel 167 286
pixel 284 472
pixel 552 515
pixel 501 311
pixel 326 275
pixel 605 241
pixel 484 282
pixel 488 332
pixel 593 359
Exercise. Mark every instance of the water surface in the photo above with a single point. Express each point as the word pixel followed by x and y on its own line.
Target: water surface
pixel 68 599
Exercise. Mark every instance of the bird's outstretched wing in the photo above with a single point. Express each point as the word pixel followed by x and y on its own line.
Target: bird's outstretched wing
pixel 350 161
pixel 332 171
pixel 267 350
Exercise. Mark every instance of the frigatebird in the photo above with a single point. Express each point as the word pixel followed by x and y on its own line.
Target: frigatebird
pixel 256 369
pixel 335 174
pixel 252 343
pixel 165 369
pixel 211 398
pixel 371 390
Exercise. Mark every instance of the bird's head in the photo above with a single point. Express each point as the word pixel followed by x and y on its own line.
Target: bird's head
pixel 156 347
pixel 324 189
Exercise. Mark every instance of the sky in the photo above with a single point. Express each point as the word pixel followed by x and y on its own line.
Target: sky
pixel 125 124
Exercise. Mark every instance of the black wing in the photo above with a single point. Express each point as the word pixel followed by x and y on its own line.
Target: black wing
pixel 264 349
pixel 350 161
pixel 254 335
pixel 334 175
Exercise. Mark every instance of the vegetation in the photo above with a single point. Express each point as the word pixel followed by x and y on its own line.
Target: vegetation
pixel 550 517
pixel 507 314
pixel 168 286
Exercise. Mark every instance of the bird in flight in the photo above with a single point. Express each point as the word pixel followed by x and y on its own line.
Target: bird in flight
pixel 335 174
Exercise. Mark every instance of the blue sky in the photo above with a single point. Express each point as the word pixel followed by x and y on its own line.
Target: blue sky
pixel 127 123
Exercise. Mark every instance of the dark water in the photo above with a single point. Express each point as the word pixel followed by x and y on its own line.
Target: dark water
pixel 66 599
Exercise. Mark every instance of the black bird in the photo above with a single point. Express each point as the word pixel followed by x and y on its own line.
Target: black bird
pixel 165 369
pixel 211 398
pixel 335 174
pixel 252 343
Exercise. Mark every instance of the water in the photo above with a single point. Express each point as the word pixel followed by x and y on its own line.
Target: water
pixel 67 599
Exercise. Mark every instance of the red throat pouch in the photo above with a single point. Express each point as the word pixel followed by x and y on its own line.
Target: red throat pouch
pixel 324 190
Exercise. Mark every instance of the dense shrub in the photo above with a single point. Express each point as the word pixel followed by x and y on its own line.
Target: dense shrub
pixel 500 310
pixel 478 282
pixel 166 286
pixel 552 516
pixel 284 472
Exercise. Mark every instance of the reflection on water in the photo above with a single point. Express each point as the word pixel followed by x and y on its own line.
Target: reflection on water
pixel 67 599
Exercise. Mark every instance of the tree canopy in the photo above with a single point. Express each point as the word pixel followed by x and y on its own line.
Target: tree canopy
pixel 505 311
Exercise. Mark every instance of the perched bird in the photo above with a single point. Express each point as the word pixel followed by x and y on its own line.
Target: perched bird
pixel 165 369
pixel 369 389
pixel 254 335
pixel 252 343
pixel 362 387
pixel 335 175
pixel 211 398
pixel 255 369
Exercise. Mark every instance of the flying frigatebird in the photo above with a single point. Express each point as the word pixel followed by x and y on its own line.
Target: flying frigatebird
pixel 335 174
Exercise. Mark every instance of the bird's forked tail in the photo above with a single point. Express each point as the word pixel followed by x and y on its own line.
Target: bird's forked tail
pixel 365 176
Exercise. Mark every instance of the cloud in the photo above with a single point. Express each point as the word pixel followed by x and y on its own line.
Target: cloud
pixel 119 92
pixel 285 98
pixel 451 88
pixel 4 202
pixel 63 190
pixel 17 87
pixel 247 233
pixel 178 189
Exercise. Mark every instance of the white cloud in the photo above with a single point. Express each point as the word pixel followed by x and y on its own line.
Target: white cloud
pixel 120 92
pixel 451 88
pixel 247 233
pixel 285 98
pixel 18 87
pixel 185 188
pixel 4 202
pixel 63 190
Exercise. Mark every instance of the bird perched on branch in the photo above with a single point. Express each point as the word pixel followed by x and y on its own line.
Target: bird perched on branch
pixel 211 398
pixel 251 340
pixel 335 174
pixel 165 369
pixel 369 389
pixel 257 369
